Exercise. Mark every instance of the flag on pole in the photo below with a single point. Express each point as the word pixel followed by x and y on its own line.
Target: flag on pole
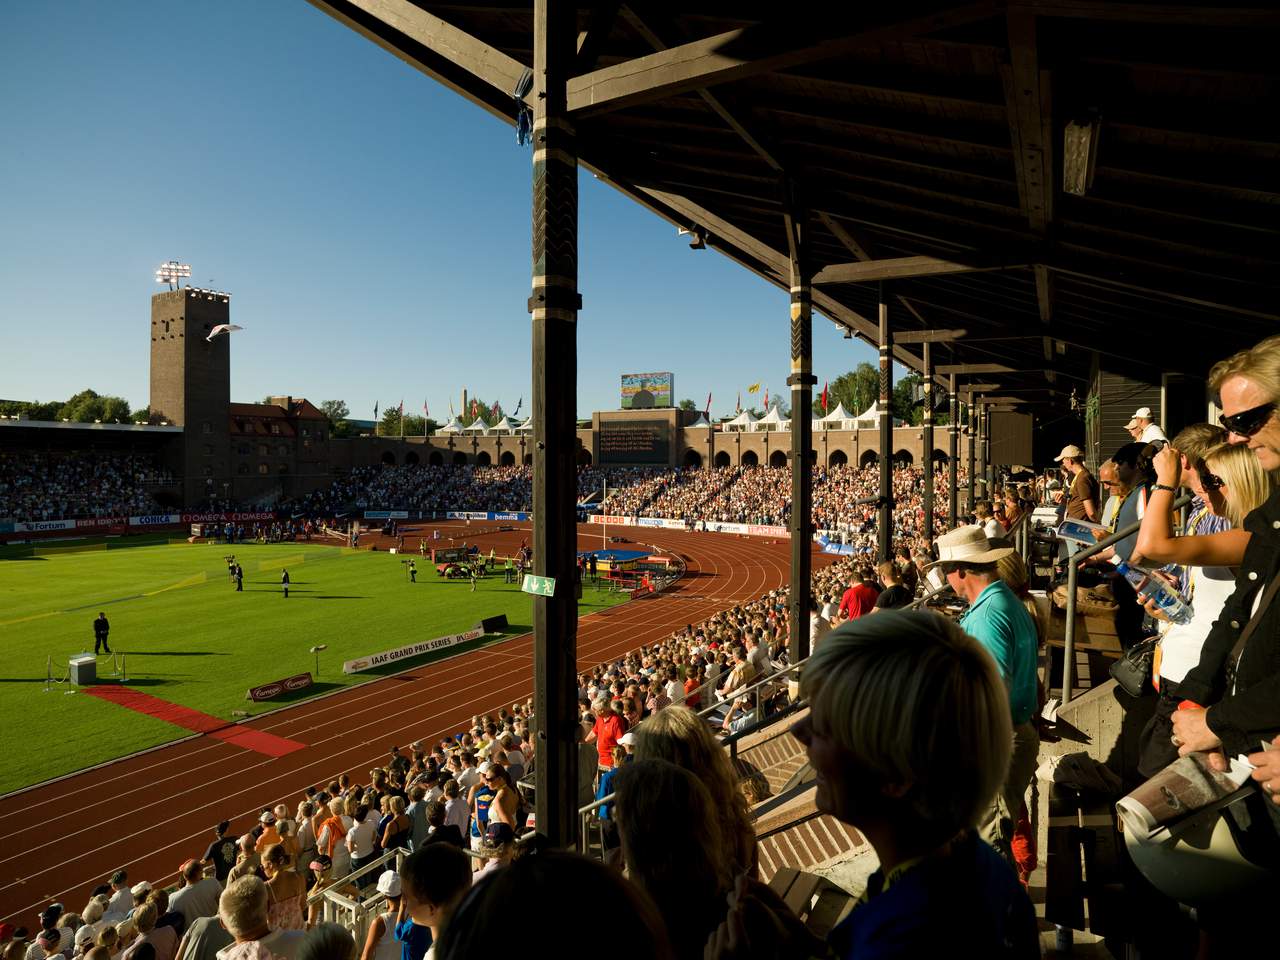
pixel 376 426
pixel 766 399
pixel 375 410
pixel 452 415
pixel 497 405
pixel 739 401
pixel 754 388
pixel 707 412
pixel 474 410
pixel 519 404
pixel 824 396
pixel 425 411
pixel 401 416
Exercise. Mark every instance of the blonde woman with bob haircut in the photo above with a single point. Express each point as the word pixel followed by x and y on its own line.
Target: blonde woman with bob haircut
pixel 680 736
pixel 910 736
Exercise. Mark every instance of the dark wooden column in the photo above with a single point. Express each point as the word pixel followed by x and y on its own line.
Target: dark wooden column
pixel 801 382
pixel 968 435
pixel 554 306
pixel 884 517
pixel 990 472
pixel 980 489
pixel 928 439
pixel 953 429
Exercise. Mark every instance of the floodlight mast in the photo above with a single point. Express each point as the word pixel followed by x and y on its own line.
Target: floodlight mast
pixel 171 272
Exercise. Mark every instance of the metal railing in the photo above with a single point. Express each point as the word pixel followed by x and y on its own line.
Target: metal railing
pixel 1073 569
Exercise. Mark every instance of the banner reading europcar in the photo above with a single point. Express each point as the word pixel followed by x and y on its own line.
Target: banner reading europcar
pixel 155 520
pixel 413 650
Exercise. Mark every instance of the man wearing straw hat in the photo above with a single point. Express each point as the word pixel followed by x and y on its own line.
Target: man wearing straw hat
pixel 999 621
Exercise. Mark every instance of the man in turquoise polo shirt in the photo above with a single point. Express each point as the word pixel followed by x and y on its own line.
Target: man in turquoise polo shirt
pixel 999 621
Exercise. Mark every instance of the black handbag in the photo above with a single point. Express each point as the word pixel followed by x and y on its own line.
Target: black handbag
pixel 1133 671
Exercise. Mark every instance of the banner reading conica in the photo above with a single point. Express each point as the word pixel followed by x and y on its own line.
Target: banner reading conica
pixel 413 650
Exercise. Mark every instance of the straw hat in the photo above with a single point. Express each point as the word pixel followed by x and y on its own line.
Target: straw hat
pixel 1070 450
pixel 968 544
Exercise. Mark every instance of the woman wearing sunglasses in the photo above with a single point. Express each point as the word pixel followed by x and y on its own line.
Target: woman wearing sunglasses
pixel 1228 483
pixel 1238 682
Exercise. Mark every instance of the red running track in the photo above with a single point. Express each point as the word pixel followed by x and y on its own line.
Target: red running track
pixel 151 811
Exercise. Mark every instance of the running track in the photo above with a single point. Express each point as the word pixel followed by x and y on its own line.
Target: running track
pixel 150 812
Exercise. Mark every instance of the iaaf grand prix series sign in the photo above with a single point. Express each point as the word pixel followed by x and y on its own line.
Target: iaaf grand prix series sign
pixel 413 650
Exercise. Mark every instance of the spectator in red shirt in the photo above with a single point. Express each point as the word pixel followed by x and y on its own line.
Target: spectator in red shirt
pixel 861 597
pixel 608 729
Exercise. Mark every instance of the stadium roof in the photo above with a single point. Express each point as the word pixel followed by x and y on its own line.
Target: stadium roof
pixel 926 140
pixel 14 423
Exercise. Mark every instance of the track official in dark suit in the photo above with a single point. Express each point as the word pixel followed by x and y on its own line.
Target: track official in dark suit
pixel 100 630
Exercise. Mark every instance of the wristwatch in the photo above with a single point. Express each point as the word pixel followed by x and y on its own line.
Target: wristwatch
pixel 1164 486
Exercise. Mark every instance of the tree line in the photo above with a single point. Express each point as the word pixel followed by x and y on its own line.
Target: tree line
pixel 87 406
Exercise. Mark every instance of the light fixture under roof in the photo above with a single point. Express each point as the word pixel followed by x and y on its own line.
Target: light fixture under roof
pixel 1080 154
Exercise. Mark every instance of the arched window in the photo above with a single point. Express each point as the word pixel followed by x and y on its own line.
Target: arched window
pixel 777 459
pixel 692 458
pixel 722 459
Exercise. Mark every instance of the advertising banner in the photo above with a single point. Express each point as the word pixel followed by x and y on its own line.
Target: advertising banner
pixel 155 520
pixel 522 517
pixel 41 526
pixel 228 517
pixel 611 521
pixel 6 526
pixel 765 530
pixel 102 522
pixel 413 650
pixel 386 514
pixel 276 687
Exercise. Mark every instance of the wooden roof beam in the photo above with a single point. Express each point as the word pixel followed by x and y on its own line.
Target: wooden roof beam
pixel 971 369
pixel 1198 15
pixel 901 268
pixel 484 75
pixel 746 52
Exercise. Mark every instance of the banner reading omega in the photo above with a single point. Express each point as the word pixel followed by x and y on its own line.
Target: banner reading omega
pixel 644 391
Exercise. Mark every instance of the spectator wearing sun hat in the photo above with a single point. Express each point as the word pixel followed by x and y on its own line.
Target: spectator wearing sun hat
pixel 269 835
pixel 380 943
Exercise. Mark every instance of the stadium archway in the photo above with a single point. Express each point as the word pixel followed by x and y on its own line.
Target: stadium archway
pixel 777 459
pixel 508 459
pixel 436 459
pixel 459 458
pixel 903 458
pixel 389 458
pixel 838 458
pixel 692 458
pixel 483 459
pixel 749 459
pixel 722 459
pixel 869 459
pixel 411 459
pixel 940 457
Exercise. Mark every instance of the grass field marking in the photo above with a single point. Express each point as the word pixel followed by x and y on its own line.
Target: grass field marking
pixel 69 548
pixel 201 577
pixel 275 563
pixel 34 616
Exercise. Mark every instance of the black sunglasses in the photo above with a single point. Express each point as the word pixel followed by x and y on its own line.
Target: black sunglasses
pixel 1248 422
pixel 1211 481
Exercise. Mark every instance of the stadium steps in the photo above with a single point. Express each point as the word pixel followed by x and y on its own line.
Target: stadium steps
pixel 771 756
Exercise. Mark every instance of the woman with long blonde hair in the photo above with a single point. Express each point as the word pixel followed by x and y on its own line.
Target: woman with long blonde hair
pixel 682 737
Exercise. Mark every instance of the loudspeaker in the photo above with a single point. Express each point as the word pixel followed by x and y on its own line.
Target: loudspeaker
pixel 493 624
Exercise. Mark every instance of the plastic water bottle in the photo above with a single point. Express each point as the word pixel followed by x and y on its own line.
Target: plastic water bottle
pixel 1150 587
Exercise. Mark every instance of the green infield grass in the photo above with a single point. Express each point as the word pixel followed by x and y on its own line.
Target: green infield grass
pixel 190 638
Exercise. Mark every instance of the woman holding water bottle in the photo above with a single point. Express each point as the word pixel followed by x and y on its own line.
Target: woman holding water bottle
pixel 1228 483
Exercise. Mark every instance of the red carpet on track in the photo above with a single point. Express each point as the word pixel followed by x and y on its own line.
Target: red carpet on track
pixel 244 737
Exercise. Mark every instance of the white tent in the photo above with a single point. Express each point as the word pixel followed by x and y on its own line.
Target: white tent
pixel 505 425
pixel 837 419
pixel 702 421
pixel 869 418
pixel 773 420
pixel 453 426
pixel 743 421
pixel 526 427
pixel 477 426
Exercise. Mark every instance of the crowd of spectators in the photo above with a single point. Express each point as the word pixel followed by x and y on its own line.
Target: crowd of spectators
pixel 51 486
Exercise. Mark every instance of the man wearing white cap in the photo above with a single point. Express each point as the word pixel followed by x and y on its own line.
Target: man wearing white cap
pixel 1143 428
pixel 1082 491
pixel 999 621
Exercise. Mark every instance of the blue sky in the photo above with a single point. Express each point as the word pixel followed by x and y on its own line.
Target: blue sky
pixel 371 226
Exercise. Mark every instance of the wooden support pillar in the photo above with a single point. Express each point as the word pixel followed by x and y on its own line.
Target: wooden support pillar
pixel 801 382
pixel 968 436
pixel 953 429
pixel 554 307
pixel 928 440
pixel 990 467
pixel 884 517
pixel 980 489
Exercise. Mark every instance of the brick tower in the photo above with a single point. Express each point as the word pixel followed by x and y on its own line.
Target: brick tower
pixel 191 385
